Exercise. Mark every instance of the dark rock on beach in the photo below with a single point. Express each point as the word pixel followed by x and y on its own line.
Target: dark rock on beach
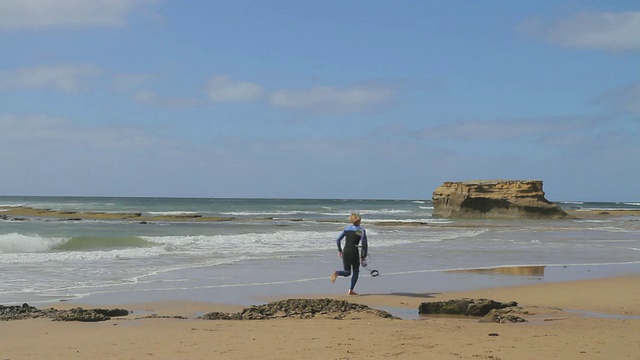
pixel 156 316
pixel 492 311
pixel 77 314
pixel 503 316
pixel 291 308
pixel 217 315
pixel 465 306
pixel 24 311
pixel 18 312
pixel 299 308
pixel 112 312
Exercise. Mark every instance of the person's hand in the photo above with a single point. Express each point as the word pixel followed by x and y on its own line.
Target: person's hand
pixel 340 253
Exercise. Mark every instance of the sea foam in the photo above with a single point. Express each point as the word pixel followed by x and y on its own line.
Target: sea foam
pixel 19 243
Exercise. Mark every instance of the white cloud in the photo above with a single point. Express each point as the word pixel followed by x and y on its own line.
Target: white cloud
pixel 40 14
pixel 501 129
pixel 128 82
pixel 221 88
pixel 67 78
pixel 626 99
pixel 611 31
pixel 146 97
pixel 31 127
pixel 152 99
pixel 352 99
pixel 43 130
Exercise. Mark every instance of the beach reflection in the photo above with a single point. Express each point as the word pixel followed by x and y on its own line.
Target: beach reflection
pixel 507 270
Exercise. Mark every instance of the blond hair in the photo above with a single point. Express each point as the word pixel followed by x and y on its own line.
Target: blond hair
pixel 355 218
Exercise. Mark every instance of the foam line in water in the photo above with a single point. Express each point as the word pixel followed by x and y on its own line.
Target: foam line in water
pixel 88 243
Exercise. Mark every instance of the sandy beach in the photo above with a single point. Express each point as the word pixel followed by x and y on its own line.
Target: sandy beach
pixel 589 319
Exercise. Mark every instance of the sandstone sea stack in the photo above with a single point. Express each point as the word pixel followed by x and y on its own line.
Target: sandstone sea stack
pixel 511 199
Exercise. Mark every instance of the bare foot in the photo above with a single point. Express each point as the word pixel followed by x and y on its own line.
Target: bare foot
pixel 334 276
pixel 351 292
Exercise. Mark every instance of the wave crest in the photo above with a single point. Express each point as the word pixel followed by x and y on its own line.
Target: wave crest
pixel 87 243
pixel 20 243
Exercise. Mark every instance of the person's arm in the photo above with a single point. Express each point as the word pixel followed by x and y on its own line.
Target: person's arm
pixel 338 242
pixel 364 246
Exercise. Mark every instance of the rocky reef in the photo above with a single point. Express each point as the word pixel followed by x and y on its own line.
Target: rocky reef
pixel 514 199
pixel 25 311
pixel 299 308
pixel 489 310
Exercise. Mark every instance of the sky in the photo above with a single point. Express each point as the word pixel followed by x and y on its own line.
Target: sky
pixel 363 99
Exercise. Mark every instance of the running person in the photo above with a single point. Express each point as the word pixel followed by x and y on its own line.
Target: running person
pixel 354 235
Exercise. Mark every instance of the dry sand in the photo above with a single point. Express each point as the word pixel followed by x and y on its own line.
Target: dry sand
pixel 593 319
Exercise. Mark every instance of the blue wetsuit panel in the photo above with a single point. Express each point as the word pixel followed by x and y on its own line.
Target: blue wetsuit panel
pixel 354 236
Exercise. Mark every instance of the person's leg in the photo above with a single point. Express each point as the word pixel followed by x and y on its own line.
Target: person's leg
pixel 354 278
pixel 346 264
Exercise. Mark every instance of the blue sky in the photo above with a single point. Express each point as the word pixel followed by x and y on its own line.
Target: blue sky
pixel 318 99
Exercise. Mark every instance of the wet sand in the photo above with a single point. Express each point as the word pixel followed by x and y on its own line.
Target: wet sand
pixel 589 319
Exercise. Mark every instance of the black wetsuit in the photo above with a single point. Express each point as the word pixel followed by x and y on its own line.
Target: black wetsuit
pixel 354 235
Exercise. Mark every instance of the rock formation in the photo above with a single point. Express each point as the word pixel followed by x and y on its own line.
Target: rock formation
pixel 494 199
pixel 464 306
pixel 299 308
pixel 24 311
pixel 490 310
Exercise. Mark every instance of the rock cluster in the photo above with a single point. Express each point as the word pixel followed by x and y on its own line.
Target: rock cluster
pixel 494 199
pixel 504 316
pixel 24 311
pixel 298 308
pixel 490 310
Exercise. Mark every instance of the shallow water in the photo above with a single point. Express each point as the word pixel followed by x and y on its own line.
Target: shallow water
pixel 287 247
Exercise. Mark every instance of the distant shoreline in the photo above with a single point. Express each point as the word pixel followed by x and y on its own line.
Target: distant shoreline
pixel 23 212
pixel 602 214
pixel 29 212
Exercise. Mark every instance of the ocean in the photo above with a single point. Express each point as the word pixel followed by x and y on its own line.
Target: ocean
pixel 286 247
